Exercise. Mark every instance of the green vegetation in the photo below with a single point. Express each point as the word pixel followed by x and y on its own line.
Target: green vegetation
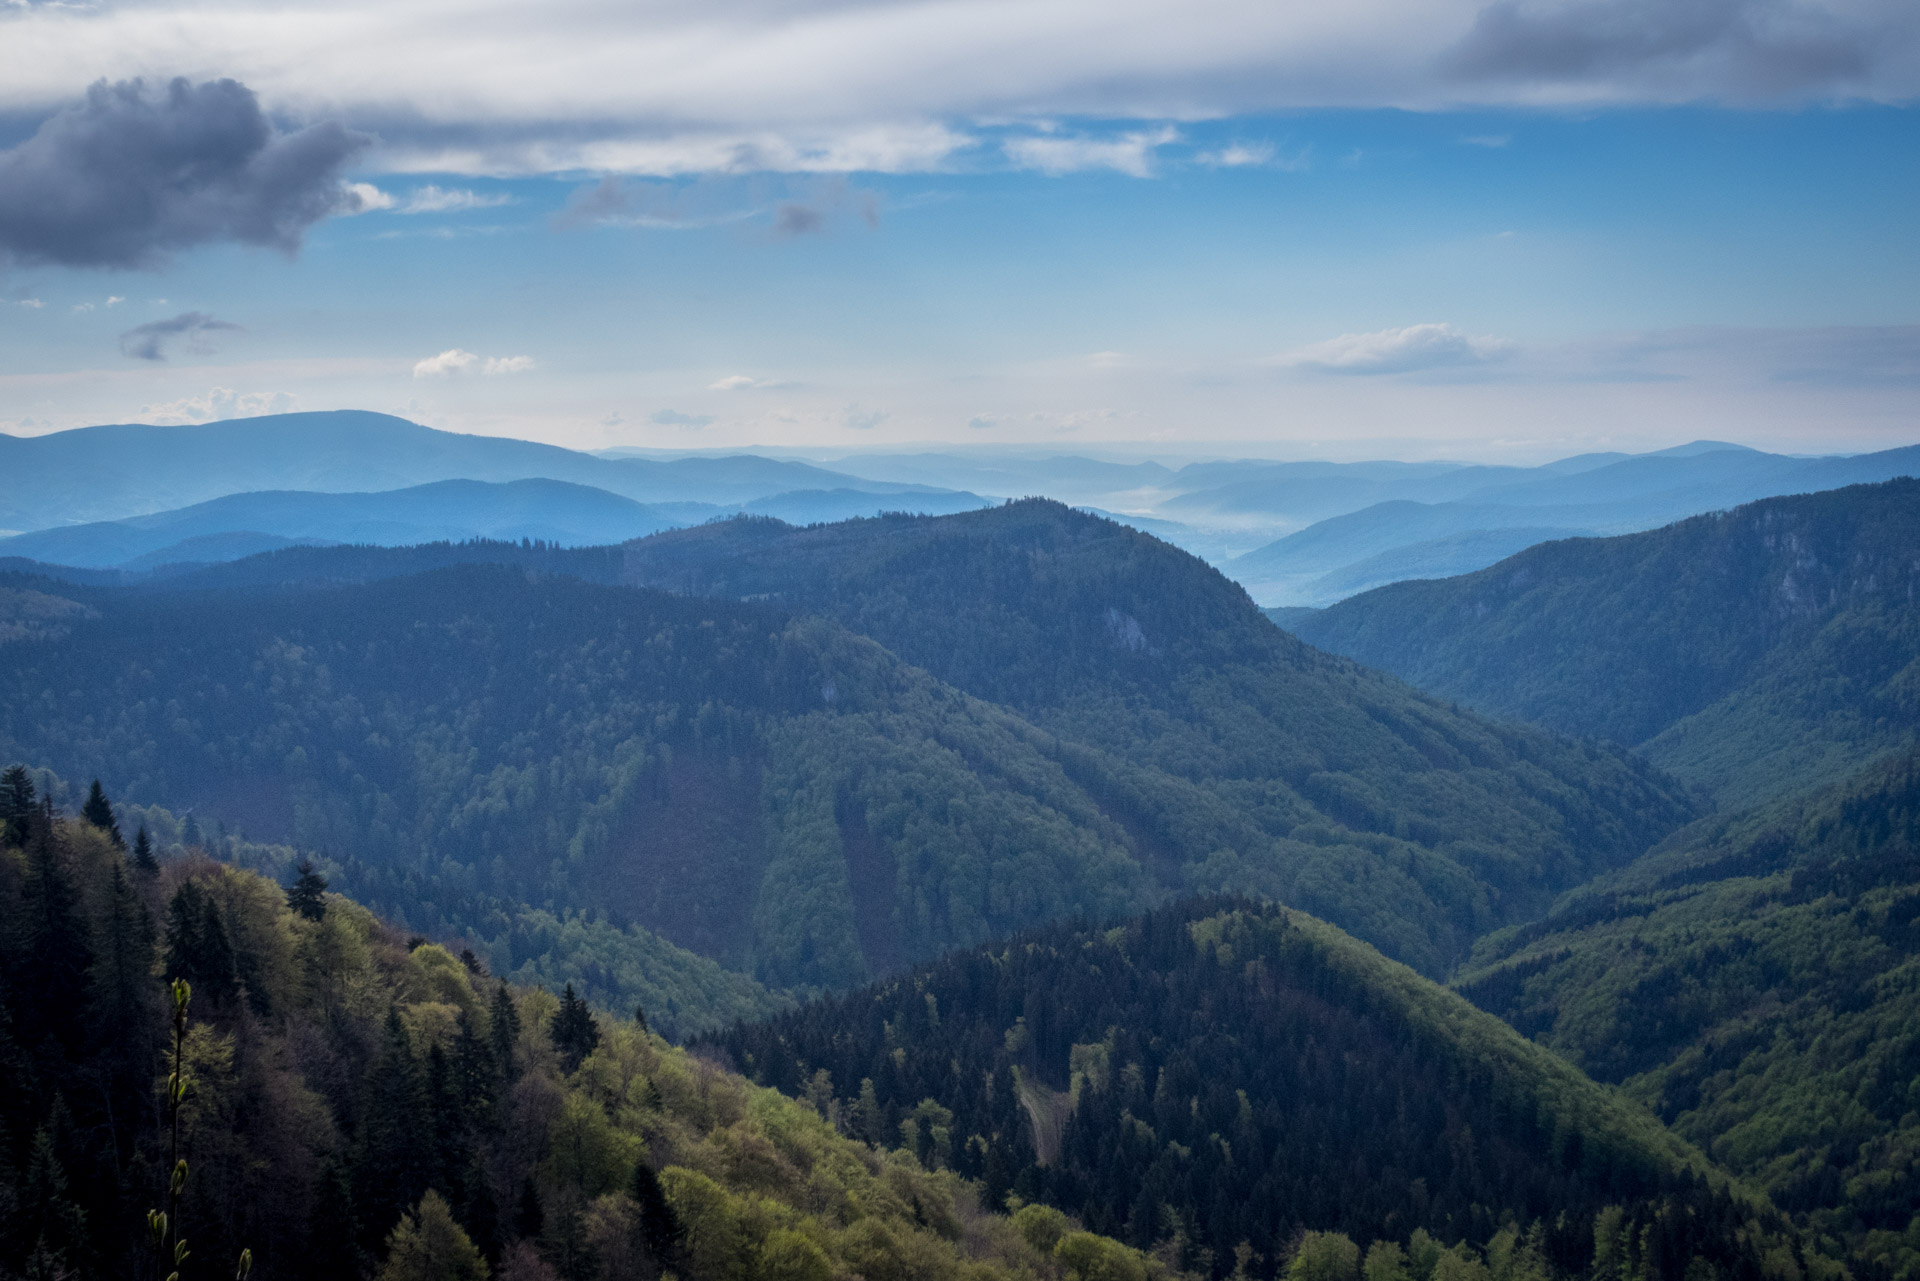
pixel 1214 1078
pixel 1750 651
pixel 353 1105
pixel 1095 722
pixel 1238 758
pixel 1758 986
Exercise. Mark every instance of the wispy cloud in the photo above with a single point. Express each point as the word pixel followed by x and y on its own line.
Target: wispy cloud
pixel 156 339
pixel 1130 153
pixel 1395 351
pixel 674 418
pixel 216 404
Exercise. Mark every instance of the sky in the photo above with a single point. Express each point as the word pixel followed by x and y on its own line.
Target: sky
pixel 1444 228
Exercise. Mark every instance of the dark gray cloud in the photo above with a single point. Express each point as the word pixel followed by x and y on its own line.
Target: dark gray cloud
pixel 152 340
pixel 1753 49
pixel 793 219
pixel 129 175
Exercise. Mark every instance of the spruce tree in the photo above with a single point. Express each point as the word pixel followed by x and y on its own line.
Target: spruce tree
pixel 505 1033
pixel 99 811
pixel 198 947
pixel 575 1034
pixel 56 964
pixel 16 804
pixel 660 1230
pixel 143 859
pixel 190 833
pixel 394 1151
pixel 307 894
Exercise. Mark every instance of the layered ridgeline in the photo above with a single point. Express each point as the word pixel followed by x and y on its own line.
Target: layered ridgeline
pixel 785 796
pixel 354 1105
pixel 1233 756
pixel 1768 647
pixel 1758 987
pixel 110 473
pixel 1216 1078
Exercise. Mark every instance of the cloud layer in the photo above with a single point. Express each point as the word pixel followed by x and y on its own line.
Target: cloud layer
pixel 131 174
pixel 899 85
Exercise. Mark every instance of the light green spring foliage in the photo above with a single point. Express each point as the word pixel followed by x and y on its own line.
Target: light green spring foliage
pixel 428 1245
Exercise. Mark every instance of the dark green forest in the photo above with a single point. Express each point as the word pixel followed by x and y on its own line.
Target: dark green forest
pixel 1758 986
pixel 1219 1074
pixel 777 793
pixel 1752 652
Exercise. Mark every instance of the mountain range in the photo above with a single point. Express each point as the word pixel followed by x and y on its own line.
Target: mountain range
pixel 1293 533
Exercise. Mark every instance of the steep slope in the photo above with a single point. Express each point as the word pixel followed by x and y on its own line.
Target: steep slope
pixel 1222 1073
pixel 356 1101
pixel 130 469
pixel 777 794
pixel 1759 987
pixel 1770 646
pixel 1302 776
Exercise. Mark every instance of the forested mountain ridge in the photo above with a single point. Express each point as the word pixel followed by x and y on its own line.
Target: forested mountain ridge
pixel 1220 1076
pixel 1115 641
pixel 357 1104
pixel 774 793
pixel 1757 985
pixel 1768 646
pixel 703 768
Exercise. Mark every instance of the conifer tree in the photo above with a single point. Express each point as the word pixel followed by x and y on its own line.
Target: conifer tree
pixel 123 993
pixel 198 947
pixel 143 859
pixel 99 811
pixel 506 1033
pixel 575 1034
pixel 16 804
pixel 393 1152
pixel 660 1230
pixel 190 833
pixel 307 895
pixel 56 964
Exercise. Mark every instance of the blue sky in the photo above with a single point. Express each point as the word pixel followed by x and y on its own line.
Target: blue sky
pixel 1601 254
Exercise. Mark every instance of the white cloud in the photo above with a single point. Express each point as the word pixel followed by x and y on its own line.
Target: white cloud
pixel 80 308
pixel 218 403
pixel 364 197
pixel 451 361
pixel 1238 155
pixel 33 304
pixel 1131 154
pixel 456 361
pixel 114 300
pixel 1394 351
pixel 734 382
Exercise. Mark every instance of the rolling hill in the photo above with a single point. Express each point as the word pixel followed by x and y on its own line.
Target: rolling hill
pixel 1079 720
pixel 1352 545
pixel 112 472
pixel 1227 1075
pixel 1757 986
pixel 1300 776
pixel 1754 651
